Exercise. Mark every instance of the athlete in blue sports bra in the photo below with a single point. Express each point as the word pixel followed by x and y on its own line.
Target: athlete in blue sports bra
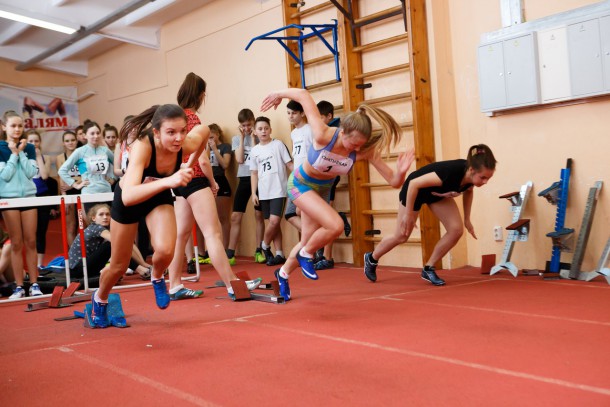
pixel 333 153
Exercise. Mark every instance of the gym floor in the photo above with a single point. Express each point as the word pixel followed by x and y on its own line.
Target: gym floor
pixel 478 341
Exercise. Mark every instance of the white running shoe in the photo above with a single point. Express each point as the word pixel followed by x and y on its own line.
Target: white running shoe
pixel 18 293
pixel 35 290
pixel 253 284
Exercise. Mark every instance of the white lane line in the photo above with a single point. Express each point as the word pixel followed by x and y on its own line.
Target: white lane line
pixel 452 361
pixel 430 288
pixel 518 313
pixel 156 385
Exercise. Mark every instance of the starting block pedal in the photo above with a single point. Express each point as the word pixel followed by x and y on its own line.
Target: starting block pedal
pixel 273 285
pixel 116 316
pixel 60 298
pixel 513 197
pixel 243 294
pixel 551 194
pixel 522 227
pixel 563 239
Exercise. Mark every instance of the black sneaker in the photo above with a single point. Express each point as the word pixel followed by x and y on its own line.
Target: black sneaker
pixel 319 255
pixel 370 268
pixel 324 264
pixel 429 274
pixel 276 261
pixel 268 255
pixel 191 268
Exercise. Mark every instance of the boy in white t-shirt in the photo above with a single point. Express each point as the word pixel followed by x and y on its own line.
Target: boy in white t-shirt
pixel 301 143
pixel 270 165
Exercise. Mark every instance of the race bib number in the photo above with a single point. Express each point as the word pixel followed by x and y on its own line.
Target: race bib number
pixel 266 167
pixel 98 164
pixel 333 164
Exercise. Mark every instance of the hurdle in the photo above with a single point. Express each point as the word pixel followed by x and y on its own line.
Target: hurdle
pixel 62 201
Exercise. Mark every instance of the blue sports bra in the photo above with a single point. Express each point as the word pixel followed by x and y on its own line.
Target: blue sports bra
pixel 324 160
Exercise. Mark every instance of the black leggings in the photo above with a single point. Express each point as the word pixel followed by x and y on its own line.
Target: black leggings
pixel 96 261
pixel 44 214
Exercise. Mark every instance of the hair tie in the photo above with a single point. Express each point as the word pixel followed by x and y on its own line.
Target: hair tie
pixel 477 150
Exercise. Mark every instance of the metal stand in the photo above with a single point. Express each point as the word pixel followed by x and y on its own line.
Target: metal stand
pixel 557 194
pixel 518 230
pixel 316 31
pixel 602 269
pixel 583 236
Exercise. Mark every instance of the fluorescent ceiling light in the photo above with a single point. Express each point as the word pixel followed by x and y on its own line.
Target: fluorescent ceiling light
pixel 36 22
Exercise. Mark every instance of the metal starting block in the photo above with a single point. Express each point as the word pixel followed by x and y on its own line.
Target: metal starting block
pixel 522 227
pixel 563 239
pixel 513 197
pixel 116 316
pixel 551 194
pixel 60 298
pixel 243 294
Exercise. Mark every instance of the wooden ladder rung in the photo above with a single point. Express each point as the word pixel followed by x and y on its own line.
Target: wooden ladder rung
pixel 347 212
pixel 403 125
pixel 375 185
pixel 394 10
pixel 318 60
pixel 382 71
pixel 390 98
pixel 380 212
pixel 312 10
pixel 377 239
pixel 381 43
pixel 323 84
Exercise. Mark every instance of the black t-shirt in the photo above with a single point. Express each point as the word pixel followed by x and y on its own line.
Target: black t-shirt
pixel 451 174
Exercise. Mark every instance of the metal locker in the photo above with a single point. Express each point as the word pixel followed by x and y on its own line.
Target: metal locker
pixel 492 89
pixel 521 71
pixel 586 73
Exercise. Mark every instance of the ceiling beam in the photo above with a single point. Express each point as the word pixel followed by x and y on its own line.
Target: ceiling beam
pixel 84 32
pixel 13 32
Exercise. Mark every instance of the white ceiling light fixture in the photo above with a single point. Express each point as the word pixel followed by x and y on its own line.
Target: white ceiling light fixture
pixel 37 22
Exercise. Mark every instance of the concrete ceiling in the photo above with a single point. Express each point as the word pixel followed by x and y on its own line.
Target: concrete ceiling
pixel 101 25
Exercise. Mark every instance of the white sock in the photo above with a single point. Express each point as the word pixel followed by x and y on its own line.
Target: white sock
pixel 283 273
pixel 265 246
pixel 230 290
pixel 303 253
pixel 98 299
pixel 176 289
pixel 279 253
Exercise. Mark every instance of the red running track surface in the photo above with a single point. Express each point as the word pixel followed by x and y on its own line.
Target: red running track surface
pixel 341 341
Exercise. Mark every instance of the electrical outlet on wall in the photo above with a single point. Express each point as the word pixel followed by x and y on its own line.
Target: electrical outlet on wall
pixel 498 233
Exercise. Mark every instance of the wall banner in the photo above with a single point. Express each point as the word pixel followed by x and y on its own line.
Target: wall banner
pixel 50 110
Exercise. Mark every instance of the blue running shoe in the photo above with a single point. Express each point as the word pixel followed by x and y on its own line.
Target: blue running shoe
pixel 99 313
pixel 161 295
pixel 185 293
pixel 307 267
pixel 284 287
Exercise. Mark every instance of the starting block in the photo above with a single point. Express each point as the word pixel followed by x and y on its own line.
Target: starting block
pixel 116 316
pixel 563 239
pixel 551 194
pixel 517 231
pixel 60 298
pixel 243 294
